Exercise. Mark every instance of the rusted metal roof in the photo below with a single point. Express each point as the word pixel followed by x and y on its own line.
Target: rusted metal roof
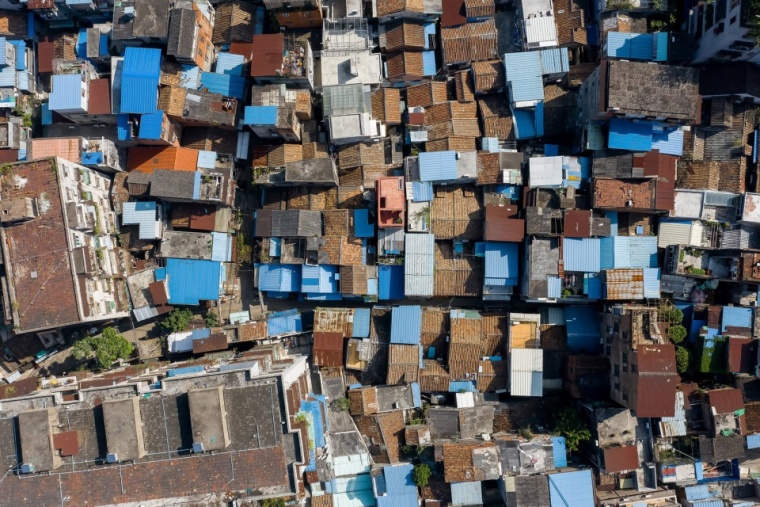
pixel 45 51
pixel 502 224
pixel 656 395
pixel 725 400
pixel 214 343
pixel 100 97
pixel 266 57
pixel 619 459
pixel 328 349
pixel 67 443
pixel 665 195
pixel 453 13
pixel 158 293
pixel 741 354
pixel 656 358
pixel 578 223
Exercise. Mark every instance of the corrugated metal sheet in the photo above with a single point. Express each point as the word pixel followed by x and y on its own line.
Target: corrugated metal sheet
pixel 260 115
pixel 466 493
pixel 438 166
pixel 363 228
pixel 285 322
pixel 651 283
pixel 630 46
pixel 230 63
pixel 700 492
pixel 192 281
pixel 554 61
pixel 582 254
pixel 419 264
pixel 429 67
pixel 123 130
pixel 627 135
pixel 142 214
pixel 572 489
pixel 139 80
pixel 391 282
pixel 142 62
pixel 224 84
pixel 735 316
pixel 185 371
pixel 620 252
pixel 669 141
pixel 221 247
pixel 753 441
pixel 523 76
pixel 190 77
pixel 674 232
pixel 526 372
pixel 583 333
pixel 593 286
pixel 501 266
pixel 151 125
pixel 528 122
pixel 462 386
pixel 67 91
pixel 280 277
pixel 207 159
pixel 47 114
pixel 559 449
pixel 554 287
pixel 321 279
pixel 361 323
pixel 406 325
pixel 20 54
pixel 422 191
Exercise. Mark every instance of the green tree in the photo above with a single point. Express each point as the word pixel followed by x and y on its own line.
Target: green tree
pixel 571 426
pixel 108 347
pixel 272 502
pixel 677 333
pixel 421 474
pixel 177 320
pixel 683 358
pixel 342 404
pixel 211 318
pixel 670 314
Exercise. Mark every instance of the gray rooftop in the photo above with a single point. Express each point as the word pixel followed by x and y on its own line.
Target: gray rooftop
pixel 296 223
pixel 151 18
pixel 181 32
pixel 35 434
pixel 170 185
pixel 123 425
pixel 186 245
pixel 543 258
pixel 320 171
pixel 208 418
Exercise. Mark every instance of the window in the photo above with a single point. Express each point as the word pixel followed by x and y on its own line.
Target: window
pixel 625 396
pixel 634 369
pixel 616 370
pixel 625 358
pixel 617 386
pixel 609 351
pixel 625 368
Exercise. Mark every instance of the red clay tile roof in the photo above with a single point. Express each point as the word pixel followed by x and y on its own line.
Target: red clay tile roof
pixel 266 59
pixel 619 459
pixel 469 43
pixel 100 97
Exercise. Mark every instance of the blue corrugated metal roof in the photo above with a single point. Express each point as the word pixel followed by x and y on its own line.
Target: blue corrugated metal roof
pixel 317 427
pixel 122 127
pixel 288 321
pixel 47 114
pixel 661 46
pixel 275 247
pixel 361 323
pixel 582 254
pixel 321 279
pixel 416 394
pixel 554 61
pixel 753 441
pixel 700 492
pixel 651 283
pixel 593 287
pixel 151 125
pixel 460 386
pixel 501 266
pixel 406 325
pixel 523 76
pixel 221 247
pixel 572 489
pixel 709 503
pixel 419 251
pixel 390 281
pixel 230 63
pixel 139 80
pixel 529 123
pixel 187 370
pixel 422 191
pixel 620 252
pixel 66 94
pixel 20 54
pixel 559 449
pixel 627 135
pixel 3 60
pixel 467 493
pixel 553 287
pixel 429 67
pixel 669 141
pixel 191 281
pixel 142 214
pixel 582 324
pixel 736 316
pixel 197 185
pixel 81 46
pixel 190 77
pixel 224 84
pixel 142 62
pixel 363 228
pixel 280 277
pixel 160 274
pixel 260 115
pixel 438 165
pixel 207 159
pixel 398 480
pixel 630 46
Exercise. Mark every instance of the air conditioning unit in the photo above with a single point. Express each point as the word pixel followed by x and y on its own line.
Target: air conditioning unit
pixel 198 447
pixel 353 67
pixel 27 468
pixel 112 458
